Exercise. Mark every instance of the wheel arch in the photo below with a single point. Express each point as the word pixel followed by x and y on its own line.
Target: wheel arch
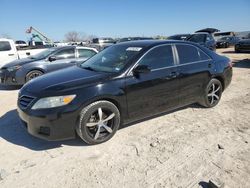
pixel 221 79
pixel 33 69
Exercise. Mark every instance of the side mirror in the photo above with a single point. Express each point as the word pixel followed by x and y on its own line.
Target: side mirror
pixel 52 58
pixel 141 69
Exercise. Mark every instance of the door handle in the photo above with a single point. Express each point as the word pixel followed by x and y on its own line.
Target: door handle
pixel 171 75
pixel 11 54
pixel 209 65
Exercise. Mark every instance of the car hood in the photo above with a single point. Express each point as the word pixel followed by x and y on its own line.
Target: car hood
pixel 64 80
pixel 20 62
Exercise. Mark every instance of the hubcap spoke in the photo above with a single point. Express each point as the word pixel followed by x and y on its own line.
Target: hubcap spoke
pixel 91 124
pixel 212 100
pixel 109 118
pixel 217 89
pixel 97 132
pixel 210 95
pixel 213 86
pixel 216 96
pixel 100 113
pixel 107 128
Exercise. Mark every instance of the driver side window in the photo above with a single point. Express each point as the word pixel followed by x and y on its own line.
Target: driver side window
pixel 159 57
pixel 65 54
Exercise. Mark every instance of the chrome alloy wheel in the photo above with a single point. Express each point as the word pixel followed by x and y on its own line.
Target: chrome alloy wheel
pixel 100 123
pixel 214 93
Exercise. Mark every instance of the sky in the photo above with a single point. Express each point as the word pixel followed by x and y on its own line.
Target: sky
pixel 121 18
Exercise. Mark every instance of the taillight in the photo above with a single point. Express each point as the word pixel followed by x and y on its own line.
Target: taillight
pixel 230 63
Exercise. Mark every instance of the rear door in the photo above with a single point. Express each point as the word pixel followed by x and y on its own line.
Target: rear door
pixel 194 67
pixel 155 91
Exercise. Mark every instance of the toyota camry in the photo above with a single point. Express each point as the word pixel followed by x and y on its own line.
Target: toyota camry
pixel 126 82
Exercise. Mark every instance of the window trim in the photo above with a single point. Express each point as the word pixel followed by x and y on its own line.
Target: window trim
pixel 137 62
pixel 192 62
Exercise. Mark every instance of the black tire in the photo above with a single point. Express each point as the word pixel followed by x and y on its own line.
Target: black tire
pixel 90 123
pixel 212 93
pixel 33 74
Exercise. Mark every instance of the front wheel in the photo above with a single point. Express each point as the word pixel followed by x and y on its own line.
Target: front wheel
pixel 212 94
pixel 33 74
pixel 98 122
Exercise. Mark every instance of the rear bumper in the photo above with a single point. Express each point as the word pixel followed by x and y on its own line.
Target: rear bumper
pixel 52 127
pixel 242 47
pixel 228 74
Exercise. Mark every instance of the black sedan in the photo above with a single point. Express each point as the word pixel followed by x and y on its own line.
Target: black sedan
pixel 19 72
pixel 124 83
pixel 243 46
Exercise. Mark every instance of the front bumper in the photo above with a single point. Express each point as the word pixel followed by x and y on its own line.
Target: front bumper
pixel 10 78
pixel 50 126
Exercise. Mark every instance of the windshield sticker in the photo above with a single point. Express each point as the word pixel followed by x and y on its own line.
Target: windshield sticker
pixel 136 49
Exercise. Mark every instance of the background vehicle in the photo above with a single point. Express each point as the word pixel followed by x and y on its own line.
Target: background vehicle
pixel 133 38
pixel 243 46
pixel 21 71
pixel 204 39
pixel 225 42
pixel 124 83
pixel 102 43
pixel 20 43
pixel 9 52
pixel 179 37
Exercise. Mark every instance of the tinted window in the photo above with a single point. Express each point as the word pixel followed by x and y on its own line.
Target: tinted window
pixel 66 53
pixel 158 58
pixel 187 54
pixel 5 46
pixel 85 53
pixel 203 56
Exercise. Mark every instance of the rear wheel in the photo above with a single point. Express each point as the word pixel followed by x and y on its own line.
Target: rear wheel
pixel 212 94
pixel 98 123
pixel 33 74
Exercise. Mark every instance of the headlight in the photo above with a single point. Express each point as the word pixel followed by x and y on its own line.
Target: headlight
pixel 51 102
pixel 10 69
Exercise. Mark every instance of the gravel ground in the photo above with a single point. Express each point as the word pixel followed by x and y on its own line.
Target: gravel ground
pixel 185 148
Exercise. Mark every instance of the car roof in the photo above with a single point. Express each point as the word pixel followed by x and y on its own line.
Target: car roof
pixel 151 43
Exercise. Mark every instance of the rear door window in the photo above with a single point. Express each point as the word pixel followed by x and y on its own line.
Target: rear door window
pixel 159 57
pixel 5 46
pixel 187 54
pixel 86 53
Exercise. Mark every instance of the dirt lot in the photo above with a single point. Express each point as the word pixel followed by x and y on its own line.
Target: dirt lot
pixel 179 149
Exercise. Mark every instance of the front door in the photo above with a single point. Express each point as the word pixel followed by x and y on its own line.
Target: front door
pixel 155 91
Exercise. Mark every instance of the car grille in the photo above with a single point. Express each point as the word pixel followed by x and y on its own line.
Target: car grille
pixel 25 101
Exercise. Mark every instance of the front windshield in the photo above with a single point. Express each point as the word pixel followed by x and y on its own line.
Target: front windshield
pixel 43 54
pixel 112 59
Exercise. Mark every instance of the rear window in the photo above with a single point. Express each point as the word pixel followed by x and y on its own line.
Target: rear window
pixel 189 54
pixel 5 46
pixel 198 38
